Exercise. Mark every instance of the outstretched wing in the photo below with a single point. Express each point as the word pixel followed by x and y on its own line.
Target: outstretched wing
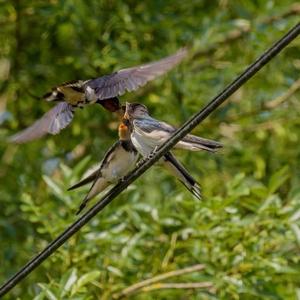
pixel 131 79
pixel 59 117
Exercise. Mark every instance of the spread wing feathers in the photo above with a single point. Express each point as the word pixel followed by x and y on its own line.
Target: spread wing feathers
pixel 131 79
pixel 179 171
pixel 157 132
pixel 56 119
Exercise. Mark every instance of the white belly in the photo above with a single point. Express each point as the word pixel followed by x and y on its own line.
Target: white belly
pixel 141 145
pixel 145 142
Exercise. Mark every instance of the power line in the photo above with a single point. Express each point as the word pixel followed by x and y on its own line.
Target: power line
pixel 178 135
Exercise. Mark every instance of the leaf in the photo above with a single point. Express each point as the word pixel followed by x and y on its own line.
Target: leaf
pixel 115 270
pixel 67 172
pixel 81 166
pixel 296 231
pixel 70 282
pixel 85 279
pixel 55 189
pixel 278 179
pixel 47 291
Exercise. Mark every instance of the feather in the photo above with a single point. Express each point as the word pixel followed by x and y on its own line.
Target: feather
pixel 131 79
pixel 56 119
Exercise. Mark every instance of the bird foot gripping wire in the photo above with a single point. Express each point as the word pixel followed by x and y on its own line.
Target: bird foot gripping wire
pixel 143 160
pixel 152 153
pixel 123 179
pixel 140 162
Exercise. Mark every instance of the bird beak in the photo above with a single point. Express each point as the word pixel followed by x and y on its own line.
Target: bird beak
pixel 126 115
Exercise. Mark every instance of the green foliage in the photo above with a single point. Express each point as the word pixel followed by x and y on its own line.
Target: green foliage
pixel 247 228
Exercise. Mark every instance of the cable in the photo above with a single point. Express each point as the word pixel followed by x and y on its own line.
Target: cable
pixel 178 135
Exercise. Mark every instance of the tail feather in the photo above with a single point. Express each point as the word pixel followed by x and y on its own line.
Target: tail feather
pixel 179 171
pixel 97 187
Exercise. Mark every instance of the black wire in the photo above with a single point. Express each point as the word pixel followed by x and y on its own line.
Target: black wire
pixel 177 136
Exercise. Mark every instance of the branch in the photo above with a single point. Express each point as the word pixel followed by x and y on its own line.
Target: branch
pixel 231 36
pixel 280 99
pixel 270 105
pixel 236 34
pixel 153 281
pixel 189 285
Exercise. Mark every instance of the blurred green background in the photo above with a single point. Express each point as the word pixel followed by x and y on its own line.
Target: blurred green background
pixel 247 228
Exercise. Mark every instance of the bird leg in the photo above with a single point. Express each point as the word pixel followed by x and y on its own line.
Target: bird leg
pixel 122 179
pixel 140 162
pixel 154 151
pixel 143 160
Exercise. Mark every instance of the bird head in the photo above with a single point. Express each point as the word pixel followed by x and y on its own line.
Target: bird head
pixel 124 132
pixel 135 110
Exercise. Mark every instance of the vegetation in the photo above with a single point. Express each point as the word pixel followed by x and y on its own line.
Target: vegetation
pixel 246 231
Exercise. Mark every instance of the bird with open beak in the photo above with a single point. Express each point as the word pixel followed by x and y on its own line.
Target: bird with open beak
pixel 103 90
pixel 148 133
pixel 120 159
pixel 117 162
pixel 168 161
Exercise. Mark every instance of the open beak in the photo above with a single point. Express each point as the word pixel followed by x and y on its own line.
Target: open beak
pixel 126 115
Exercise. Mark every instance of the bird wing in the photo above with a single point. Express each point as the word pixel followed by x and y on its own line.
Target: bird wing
pixel 154 130
pixel 150 125
pixel 157 132
pixel 200 143
pixel 93 177
pixel 86 180
pixel 130 79
pixel 56 119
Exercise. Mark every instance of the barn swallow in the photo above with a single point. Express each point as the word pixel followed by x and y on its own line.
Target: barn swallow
pixel 117 162
pixel 169 162
pixel 103 90
pixel 148 133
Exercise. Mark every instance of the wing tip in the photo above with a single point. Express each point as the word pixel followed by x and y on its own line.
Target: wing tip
pixel 17 139
pixel 72 187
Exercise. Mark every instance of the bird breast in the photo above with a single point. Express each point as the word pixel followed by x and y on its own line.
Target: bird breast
pixel 144 142
pixel 119 164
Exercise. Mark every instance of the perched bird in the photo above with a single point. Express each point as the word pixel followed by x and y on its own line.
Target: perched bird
pixel 149 133
pixel 103 90
pixel 117 162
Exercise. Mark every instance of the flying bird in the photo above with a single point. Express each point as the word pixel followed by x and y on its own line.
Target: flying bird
pixel 103 90
pixel 117 162
pixel 149 133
